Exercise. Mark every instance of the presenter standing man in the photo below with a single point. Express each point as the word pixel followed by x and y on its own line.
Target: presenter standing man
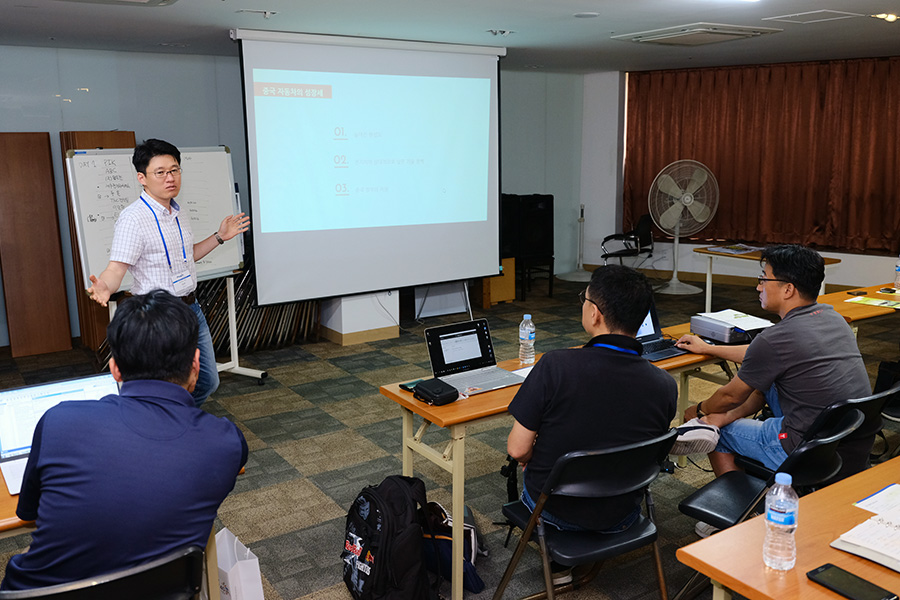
pixel 158 247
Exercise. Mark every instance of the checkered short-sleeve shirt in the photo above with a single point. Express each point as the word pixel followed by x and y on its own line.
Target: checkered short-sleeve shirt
pixel 137 243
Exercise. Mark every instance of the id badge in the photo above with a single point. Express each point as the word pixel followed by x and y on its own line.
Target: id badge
pixel 182 282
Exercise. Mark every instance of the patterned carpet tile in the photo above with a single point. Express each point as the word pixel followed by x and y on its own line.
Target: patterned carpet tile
pixel 276 510
pixel 364 410
pixel 403 371
pixel 327 452
pixel 264 467
pixel 299 563
pixel 325 391
pixel 237 385
pixel 293 425
pixel 365 362
pixel 343 485
pixel 271 399
pixel 295 374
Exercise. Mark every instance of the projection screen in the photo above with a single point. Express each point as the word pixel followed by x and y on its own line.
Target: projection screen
pixel 374 164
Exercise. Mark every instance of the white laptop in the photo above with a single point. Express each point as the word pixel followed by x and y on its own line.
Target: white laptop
pixel 462 355
pixel 22 408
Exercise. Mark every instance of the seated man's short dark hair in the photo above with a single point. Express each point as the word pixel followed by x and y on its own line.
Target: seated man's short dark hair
pixel 623 295
pixel 149 149
pixel 802 266
pixel 154 336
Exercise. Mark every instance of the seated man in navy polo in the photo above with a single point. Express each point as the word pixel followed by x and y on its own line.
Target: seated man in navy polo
pixel 120 481
pixel 600 396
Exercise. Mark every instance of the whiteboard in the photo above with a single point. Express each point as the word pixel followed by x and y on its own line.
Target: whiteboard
pixel 103 182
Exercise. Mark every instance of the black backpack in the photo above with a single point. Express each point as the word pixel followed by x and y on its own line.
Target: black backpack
pixel 382 555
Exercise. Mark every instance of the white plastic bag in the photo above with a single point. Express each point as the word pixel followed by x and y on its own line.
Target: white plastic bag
pixel 239 576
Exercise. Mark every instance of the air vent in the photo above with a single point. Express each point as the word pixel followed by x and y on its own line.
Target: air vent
pixel 696 34
pixel 814 16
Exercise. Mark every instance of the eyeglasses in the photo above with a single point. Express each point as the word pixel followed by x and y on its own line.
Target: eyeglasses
pixel 582 296
pixel 762 280
pixel 163 174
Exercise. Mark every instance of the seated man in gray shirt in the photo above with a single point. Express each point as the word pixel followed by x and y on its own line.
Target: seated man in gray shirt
pixel 799 366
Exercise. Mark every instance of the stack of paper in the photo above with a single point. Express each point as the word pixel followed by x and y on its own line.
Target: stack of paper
pixel 877 539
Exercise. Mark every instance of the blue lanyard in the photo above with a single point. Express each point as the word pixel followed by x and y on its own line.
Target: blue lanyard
pixel 165 247
pixel 616 348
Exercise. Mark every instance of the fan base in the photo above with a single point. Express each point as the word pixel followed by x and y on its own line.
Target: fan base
pixel 677 288
pixel 580 275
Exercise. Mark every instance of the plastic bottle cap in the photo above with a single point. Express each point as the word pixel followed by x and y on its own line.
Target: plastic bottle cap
pixel 526 317
pixel 783 478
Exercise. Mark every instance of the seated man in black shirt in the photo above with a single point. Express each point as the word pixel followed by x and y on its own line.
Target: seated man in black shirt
pixel 600 396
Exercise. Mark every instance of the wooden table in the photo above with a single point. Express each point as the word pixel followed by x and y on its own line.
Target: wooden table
pixel 11 525
pixel 853 311
pixel 733 558
pixel 754 256
pixel 459 415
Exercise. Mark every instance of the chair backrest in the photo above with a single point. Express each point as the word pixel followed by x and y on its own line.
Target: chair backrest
pixel 815 461
pixel 644 231
pixel 611 471
pixel 176 576
pixel 870 406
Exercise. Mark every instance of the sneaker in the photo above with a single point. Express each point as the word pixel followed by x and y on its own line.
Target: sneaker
pixel 560 574
pixel 695 437
pixel 705 530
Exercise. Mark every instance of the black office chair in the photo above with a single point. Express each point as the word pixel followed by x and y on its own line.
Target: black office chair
pixel 636 242
pixel 889 377
pixel 854 450
pixel 733 497
pixel 176 576
pixel 592 474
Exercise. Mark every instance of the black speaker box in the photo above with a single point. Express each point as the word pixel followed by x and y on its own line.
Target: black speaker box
pixel 526 225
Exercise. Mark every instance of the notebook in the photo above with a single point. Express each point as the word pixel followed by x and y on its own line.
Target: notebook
pixel 462 355
pixel 650 335
pixel 22 408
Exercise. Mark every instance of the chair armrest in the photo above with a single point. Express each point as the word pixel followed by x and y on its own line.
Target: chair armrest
pixel 754 467
pixel 622 237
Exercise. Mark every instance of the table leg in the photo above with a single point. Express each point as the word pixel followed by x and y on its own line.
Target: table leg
pixel 407 436
pixel 720 592
pixel 458 437
pixel 684 397
pixel 709 285
pixel 212 567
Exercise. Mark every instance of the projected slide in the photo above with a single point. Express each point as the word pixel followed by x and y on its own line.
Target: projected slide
pixel 349 150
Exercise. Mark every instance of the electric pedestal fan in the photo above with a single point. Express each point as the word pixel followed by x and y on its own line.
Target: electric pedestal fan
pixel 682 200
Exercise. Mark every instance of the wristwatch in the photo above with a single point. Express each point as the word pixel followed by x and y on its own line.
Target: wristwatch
pixel 700 412
pixel 219 238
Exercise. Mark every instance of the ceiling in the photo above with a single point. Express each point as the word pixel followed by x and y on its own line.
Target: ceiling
pixel 544 34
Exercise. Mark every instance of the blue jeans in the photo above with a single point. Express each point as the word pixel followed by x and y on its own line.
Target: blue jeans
pixel 563 525
pixel 756 439
pixel 208 380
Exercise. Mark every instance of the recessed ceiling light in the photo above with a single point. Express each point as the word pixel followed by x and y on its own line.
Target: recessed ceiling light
pixel 586 15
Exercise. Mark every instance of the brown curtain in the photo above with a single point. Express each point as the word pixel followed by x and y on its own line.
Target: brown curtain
pixel 803 153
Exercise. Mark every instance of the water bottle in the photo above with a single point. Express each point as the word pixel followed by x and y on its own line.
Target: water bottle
pixel 526 340
pixel 779 547
pixel 897 276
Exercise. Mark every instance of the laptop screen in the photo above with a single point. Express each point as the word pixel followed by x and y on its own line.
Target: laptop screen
pixel 460 347
pixel 22 408
pixel 650 329
pixel 646 327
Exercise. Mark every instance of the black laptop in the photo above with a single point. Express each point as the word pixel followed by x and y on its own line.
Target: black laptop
pixel 650 335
